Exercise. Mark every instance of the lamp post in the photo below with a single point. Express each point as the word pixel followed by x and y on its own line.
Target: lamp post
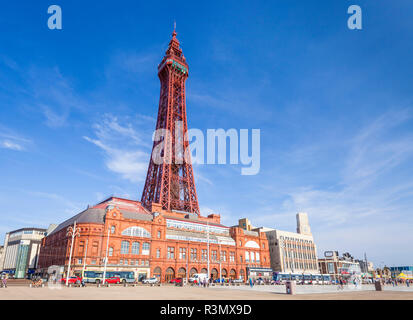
pixel 106 258
pixel 71 232
pixel 208 249
pixel 84 259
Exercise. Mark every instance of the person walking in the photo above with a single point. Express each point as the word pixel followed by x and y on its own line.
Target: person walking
pixel 4 280
pixel 250 281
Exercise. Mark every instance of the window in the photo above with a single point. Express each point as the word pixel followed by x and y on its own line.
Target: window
pixel 257 256
pixel 79 261
pixel 93 262
pixel 182 253
pixel 214 255
pixel 223 255
pixel 159 234
pixel 110 252
pixel 240 258
pixel 135 247
pixel 263 245
pixel 194 254
pixel 147 263
pixel 136 232
pixel 124 248
pixel 112 229
pixel 126 262
pixel 247 256
pixel 81 247
pixel 171 253
pixel 204 254
pixel 95 248
pixel 145 248
pixel 120 261
pixel 158 253
pixel 232 256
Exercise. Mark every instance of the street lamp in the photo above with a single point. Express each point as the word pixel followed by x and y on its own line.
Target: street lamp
pixel 106 258
pixel 208 249
pixel 84 259
pixel 71 232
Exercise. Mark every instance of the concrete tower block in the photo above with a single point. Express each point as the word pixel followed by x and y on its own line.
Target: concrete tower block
pixel 303 226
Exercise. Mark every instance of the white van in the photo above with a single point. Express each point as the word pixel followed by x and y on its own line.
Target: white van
pixel 198 277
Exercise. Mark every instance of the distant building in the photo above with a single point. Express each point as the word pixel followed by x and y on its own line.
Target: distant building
pixel 21 251
pixel 365 266
pixel 292 252
pixel 402 270
pixel 1 257
pixel 339 267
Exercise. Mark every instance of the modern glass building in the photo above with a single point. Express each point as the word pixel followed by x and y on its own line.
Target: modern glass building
pixel 21 251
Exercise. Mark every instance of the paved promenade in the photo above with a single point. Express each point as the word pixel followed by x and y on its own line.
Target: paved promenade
pixel 195 293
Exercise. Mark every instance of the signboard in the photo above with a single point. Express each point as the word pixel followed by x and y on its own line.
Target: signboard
pixel 328 254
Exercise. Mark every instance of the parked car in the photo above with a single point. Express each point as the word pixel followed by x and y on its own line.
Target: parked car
pixel 176 280
pixel 151 280
pixel 198 277
pixel 72 280
pixel 112 280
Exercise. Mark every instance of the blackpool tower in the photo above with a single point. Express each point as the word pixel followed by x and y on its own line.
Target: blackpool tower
pixel 170 181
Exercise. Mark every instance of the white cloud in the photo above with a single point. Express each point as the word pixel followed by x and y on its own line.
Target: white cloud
pixel 124 148
pixel 12 141
pixel 10 145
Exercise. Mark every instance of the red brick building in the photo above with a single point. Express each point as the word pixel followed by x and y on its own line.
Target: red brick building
pixel 153 237
pixel 159 243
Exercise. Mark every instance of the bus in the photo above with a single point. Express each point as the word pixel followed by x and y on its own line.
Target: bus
pixel 97 276
pixel 282 277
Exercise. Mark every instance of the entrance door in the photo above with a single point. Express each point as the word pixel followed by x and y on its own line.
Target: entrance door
pixel 170 274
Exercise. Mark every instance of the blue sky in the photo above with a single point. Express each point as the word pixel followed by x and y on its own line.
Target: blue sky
pixel 334 106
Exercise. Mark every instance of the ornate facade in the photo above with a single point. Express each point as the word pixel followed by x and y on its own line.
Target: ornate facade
pixel 165 244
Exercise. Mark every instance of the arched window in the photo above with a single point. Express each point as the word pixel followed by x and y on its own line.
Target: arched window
pixel 157 272
pixel 233 274
pixel 170 274
pixel 193 271
pixel 181 273
pixel 112 229
pixel 124 248
pixel 203 270
pixel 136 232
pixel 214 273
pixel 224 273
pixel 135 247
pixel 252 244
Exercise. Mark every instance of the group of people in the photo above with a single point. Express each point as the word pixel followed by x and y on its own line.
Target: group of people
pixel 396 282
pixel 4 278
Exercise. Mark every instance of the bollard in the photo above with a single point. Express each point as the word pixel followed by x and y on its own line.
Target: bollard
pixel 290 287
pixel 377 285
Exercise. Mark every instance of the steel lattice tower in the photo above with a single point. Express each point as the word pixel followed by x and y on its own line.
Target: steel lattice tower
pixel 171 183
